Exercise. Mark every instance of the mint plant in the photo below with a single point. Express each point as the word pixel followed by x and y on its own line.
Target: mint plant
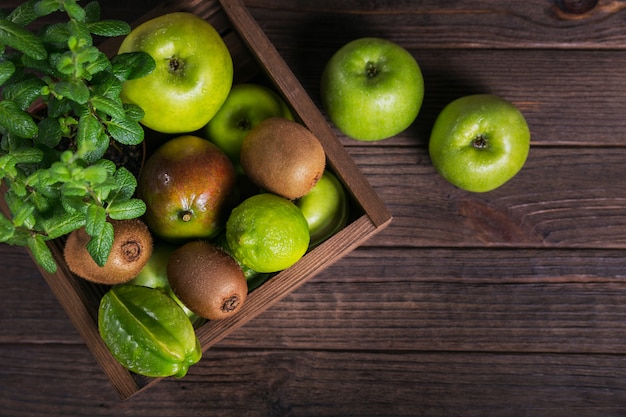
pixel 60 111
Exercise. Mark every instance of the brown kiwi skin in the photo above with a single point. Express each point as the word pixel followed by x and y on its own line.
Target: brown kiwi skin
pixel 283 157
pixel 207 280
pixel 131 250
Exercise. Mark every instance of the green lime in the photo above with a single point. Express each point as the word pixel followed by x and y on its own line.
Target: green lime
pixel 267 233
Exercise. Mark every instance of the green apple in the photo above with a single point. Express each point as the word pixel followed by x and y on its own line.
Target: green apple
pixel 245 107
pixel 479 142
pixel 372 89
pixel 193 74
pixel 325 208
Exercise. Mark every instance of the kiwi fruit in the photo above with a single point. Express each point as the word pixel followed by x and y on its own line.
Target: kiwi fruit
pixel 131 250
pixel 282 157
pixel 207 280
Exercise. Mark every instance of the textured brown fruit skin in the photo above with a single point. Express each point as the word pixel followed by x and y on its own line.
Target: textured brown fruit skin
pixel 131 250
pixel 188 185
pixel 207 280
pixel 283 157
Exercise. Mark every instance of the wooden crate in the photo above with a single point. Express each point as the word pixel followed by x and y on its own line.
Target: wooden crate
pixel 254 56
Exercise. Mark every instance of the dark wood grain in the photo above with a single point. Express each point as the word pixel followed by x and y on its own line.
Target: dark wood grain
pixel 510 303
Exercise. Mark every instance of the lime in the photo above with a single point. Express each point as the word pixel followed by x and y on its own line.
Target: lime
pixel 267 233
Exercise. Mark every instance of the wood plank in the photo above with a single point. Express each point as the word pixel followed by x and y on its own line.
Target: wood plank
pixel 563 197
pixel 412 299
pixel 425 24
pixel 324 383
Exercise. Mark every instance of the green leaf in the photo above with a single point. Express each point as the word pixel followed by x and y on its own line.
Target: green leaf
pixel 59 172
pixel 16 120
pixel 24 14
pixel 49 132
pixel 95 174
pixel 96 219
pixel 57 108
pixel 7 69
pixel 63 224
pixel 92 12
pixel 55 33
pixel 107 164
pixel 92 141
pixel 70 189
pixel 27 155
pixel 41 253
pixel 126 183
pixel 109 28
pixel 132 65
pixel 7 230
pixel 107 85
pixel 74 90
pixel 99 64
pixel 24 215
pixel 24 92
pixel 125 210
pixel 46 7
pixel 74 10
pixel 79 34
pixel 7 166
pixel 112 107
pixel 99 246
pixel 126 131
pixel 73 204
pixel 20 38
pixel 134 112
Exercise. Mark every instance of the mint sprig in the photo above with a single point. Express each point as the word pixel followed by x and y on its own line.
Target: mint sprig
pixel 60 111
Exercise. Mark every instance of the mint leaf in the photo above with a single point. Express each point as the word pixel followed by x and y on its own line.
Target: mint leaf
pixel 126 183
pixel 27 155
pixel 109 28
pixel 100 246
pixel 91 139
pixel 7 69
pixel 134 112
pixel 96 218
pixel 24 92
pixel 112 107
pixel 17 37
pixel 95 174
pixel 24 14
pixel 74 10
pixel 63 224
pixel 126 131
pixel 92 12
pixel 125 210
pixel 132 65
pixel 55 33
pixel 74 90
pixel 41 253
pixel 49 132
pixel 7 230
pixel 46 7
pixel 16 121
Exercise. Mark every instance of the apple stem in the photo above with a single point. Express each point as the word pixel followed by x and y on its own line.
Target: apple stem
pixel 479 142
pixel 371 70
pixel 186 216
pixel 244 124
pixel 174 64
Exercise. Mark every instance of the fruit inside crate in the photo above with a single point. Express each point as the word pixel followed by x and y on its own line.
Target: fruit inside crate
pixel 255 60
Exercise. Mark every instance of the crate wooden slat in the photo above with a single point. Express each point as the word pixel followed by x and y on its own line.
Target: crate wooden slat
pixel 253 56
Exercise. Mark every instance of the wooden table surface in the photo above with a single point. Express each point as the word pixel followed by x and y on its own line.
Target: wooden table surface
pixel 509 303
